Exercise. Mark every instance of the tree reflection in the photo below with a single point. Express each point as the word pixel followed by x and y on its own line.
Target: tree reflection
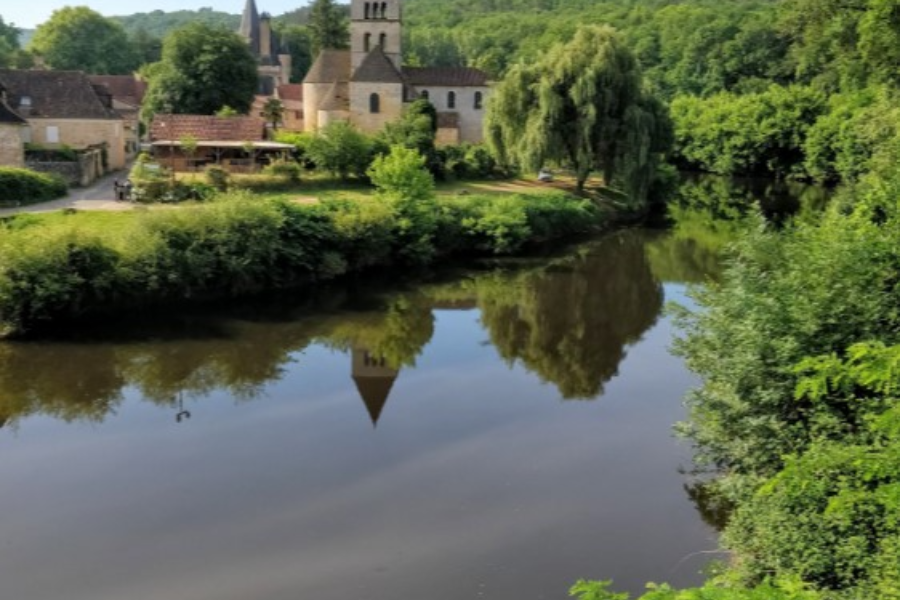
pixel 569 321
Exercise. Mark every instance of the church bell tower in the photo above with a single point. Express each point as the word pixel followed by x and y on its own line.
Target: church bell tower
pixel 375 24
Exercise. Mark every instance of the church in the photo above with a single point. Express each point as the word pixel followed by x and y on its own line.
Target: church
pixel 368 85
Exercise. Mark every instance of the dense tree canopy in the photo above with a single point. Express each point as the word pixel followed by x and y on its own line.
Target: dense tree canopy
pixel 327 26
pixel 77 38
pixel 202 69
pixel 582 105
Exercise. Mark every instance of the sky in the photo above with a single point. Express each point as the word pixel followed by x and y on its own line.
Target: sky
pixel 28 14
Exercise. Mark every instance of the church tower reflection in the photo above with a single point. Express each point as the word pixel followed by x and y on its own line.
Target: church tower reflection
pixel 374 379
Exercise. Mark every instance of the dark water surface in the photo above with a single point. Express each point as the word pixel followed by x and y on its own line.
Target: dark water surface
pixel 495 434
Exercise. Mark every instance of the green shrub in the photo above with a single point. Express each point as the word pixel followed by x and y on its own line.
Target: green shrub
pixel 286 169
pixel 234 244
pixel 217 177
pixel 23 186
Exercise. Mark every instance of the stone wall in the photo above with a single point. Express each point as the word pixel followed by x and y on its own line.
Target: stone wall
pixel 80 133
pixel 12 145
pixel 471 119
pixel 390 105
pixel 82 172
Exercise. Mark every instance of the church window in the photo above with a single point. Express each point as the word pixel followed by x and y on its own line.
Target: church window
pixel 367 42
pixel 478 100
pixel 424 95
pixel 382 40
pixel 367 10
pixel 384 10
pixel 451 99
pixel 374 103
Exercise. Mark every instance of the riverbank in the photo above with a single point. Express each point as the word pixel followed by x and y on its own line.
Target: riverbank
pixel 64 264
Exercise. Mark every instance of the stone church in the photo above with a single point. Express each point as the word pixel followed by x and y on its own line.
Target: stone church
pixel 368 85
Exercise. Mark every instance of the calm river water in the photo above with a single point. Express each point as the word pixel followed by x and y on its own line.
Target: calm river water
pixel 497 433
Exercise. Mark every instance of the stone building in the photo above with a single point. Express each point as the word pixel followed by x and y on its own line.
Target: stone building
pixel 369 86
pixel 63 109
pixel 274 62
pixel 12 135
pixel 127 92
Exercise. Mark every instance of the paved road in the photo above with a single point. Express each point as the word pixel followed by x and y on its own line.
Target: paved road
pixel 98 196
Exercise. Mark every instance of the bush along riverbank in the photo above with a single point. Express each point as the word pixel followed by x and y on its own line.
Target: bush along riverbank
pixel 68 264
pixel 798 416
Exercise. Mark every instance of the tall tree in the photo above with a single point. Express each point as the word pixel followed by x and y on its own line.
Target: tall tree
pixel 327 26
pixel 77 38
pixel 296 39
pixel 203 68
pixel 581 105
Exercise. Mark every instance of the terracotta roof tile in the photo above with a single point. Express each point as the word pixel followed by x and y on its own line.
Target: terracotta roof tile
pixel 290 91
pixel 54 94
pixel 330 66
pixel 445 76
pixel 207 128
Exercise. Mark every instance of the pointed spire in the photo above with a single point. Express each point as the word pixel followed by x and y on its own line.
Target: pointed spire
pixel 249 29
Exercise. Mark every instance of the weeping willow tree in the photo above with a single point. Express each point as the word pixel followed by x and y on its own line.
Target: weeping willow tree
pixel 582 105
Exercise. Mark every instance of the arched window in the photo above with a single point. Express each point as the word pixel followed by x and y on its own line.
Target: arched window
pixel 478 100
pixel 424 95
pixel 384 10
pixel 374 103
pixel 451 99
pixel 367 42
pixel 382 41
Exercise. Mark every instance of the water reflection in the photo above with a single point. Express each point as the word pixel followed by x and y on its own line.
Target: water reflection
pixel 568 319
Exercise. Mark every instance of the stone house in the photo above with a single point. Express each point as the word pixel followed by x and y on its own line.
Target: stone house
pixel 63 108
pixel 234 143
pixel 127 93
pixel 13 130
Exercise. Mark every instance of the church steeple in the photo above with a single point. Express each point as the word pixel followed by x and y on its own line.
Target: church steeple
pixel 249 29
pixel 375 24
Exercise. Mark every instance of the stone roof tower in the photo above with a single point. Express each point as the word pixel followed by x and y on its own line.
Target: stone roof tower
pixel 375 24
pixel 249 29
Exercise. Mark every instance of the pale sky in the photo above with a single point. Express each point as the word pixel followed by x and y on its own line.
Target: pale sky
pixel 28 14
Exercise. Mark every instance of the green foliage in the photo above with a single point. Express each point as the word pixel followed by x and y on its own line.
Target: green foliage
pixel 217 177
pixel 298 42
pixel 830 516
pixel 288 170
pixel 23 186
pixel 758 133
pixel 232 244
pixel 273 112
pixel 401 175
pixel 203 69
pixel 327 27
pixel 341 150
pixel 158 23
pixel 77 38
pixel 581 105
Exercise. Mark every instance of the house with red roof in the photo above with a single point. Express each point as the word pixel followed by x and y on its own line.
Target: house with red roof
pixel 191 142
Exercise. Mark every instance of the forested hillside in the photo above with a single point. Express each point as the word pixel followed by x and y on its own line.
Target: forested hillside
pixel 158 23
pixel 796 88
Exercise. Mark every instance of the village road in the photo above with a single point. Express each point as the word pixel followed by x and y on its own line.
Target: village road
pixel 97 196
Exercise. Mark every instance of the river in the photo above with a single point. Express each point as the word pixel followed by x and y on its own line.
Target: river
pixel 491 433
